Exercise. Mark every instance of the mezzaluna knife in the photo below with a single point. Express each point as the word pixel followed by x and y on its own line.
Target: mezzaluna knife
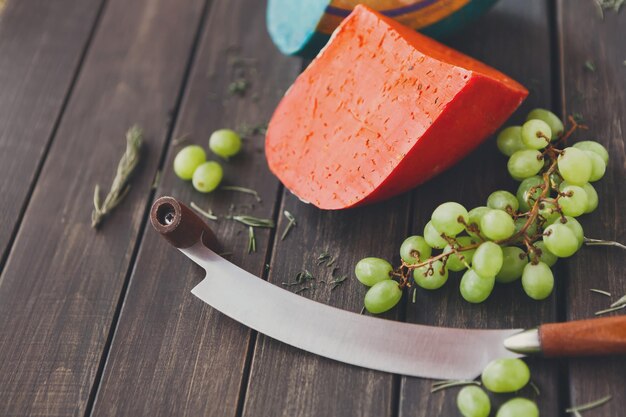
pixel 370 342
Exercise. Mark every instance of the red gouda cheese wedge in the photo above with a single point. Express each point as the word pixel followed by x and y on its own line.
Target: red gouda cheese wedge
pixel 381 110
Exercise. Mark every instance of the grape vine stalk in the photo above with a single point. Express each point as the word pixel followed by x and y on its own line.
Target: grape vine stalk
pixel 513 236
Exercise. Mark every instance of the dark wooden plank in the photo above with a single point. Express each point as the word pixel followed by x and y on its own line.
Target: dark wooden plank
pixel 285 381
pixel 41 44
pixel 171 353
pixel 62 282
pixel 513 37
pixel 600 97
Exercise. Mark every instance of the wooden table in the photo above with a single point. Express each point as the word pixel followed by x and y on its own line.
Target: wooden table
pixel 103 324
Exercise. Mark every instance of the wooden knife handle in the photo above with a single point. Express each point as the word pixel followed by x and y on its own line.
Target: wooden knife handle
pixel 605 336
pixel 180 226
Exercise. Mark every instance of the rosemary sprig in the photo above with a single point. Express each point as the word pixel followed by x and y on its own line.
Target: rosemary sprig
pixel 208 214
pixel 441 385
pixel 246 130
pixel 620 302
pixel 602 292
pixel 242 190
pixel 337 281
pixel 323 258
pixel 239 87
pixel 156 180
pixel 327 259
pixel 292 223
pixel 252 221
pixel 603 5
pixel 120 186
pixel 300 278
pixel 599 242
pixel 535 388
pixel 251 240
pixel 584 407
pixel 610 310
pixel 589 65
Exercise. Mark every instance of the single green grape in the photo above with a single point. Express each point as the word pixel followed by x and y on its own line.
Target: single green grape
pixel 187 160
pixel 415 249
pixel 598 167
pixel 502 200
pixel 573 225
pixel 592 198
pixel 525 198
pixel 574 166
pixel 474 288
pixel 497 225
pixel 546 256
pixel 536 134
pixel 370 271
pixel 513 262
pixel 505 375
pixel 207 177
pixel 475 215
pixel 525 163
pixel 433 237
pixel 556 125
pixel 472 401
pixel 434 281
pixel 446 218
pixel 382 296
pixel 537 281
pixel 595 147
pixel 518 407
pixel 488 259
pixel 454 263
pixel 225 143
pixel 560 240
pixel 575 204
pixel 510 140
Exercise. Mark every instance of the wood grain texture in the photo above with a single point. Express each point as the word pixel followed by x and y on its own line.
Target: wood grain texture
pixel 600 97
pixel 41 44
pixel 285 381
pixel 512 37
pixel 592 337
pixel 172 354
pixel 62 282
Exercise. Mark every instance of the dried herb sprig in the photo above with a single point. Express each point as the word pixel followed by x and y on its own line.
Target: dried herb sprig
pixel 617 305
pixel 300 278
pixel 252 221
pixel 120 186
pixel 600 242
pixel 292 223
pixel 589 65
pixel 588 406
pixel 614 5
pixel 208 214
pixel 239 87
pixel 251 240
pixel 245 190
pixel 441 385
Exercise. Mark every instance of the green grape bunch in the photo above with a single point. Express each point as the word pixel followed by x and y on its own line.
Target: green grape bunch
pixel 513 236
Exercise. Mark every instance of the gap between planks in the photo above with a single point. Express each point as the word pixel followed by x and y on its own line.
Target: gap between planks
pixel 142 227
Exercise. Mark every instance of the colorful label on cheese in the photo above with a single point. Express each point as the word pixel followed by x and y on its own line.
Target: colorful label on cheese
pixel 413 13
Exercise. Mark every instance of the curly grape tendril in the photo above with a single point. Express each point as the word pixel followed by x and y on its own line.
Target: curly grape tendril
pixel 513 236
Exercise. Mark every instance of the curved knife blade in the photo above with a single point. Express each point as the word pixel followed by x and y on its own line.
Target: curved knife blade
pixel 384 345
